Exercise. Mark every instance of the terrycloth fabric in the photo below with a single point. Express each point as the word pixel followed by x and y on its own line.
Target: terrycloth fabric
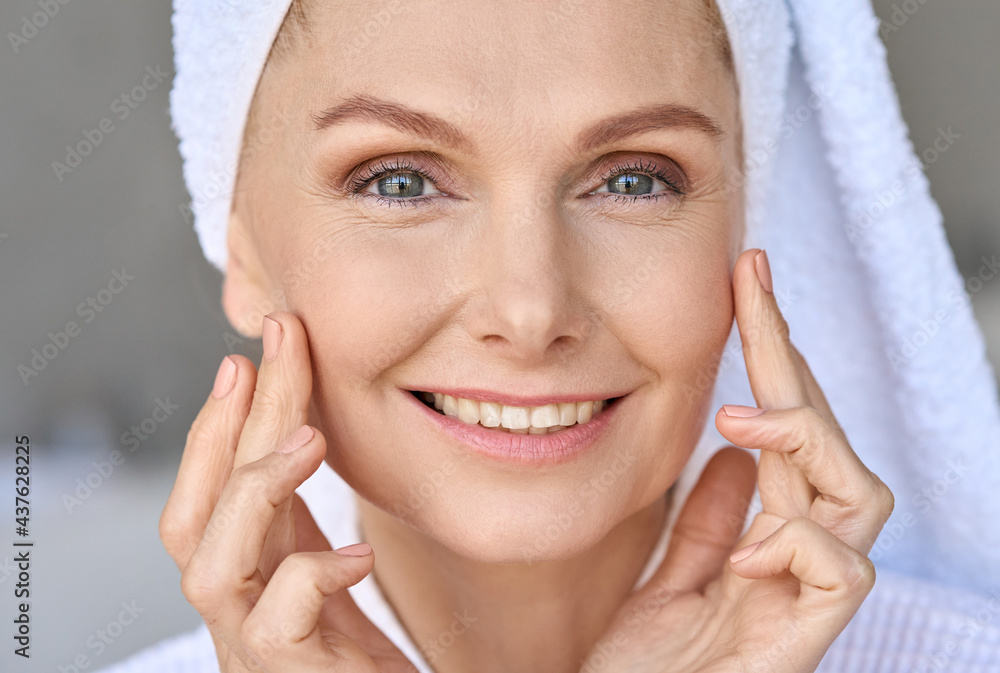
pixel 836 195
pixel 905 625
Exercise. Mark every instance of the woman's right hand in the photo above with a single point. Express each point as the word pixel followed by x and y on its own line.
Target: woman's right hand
pixel 253 561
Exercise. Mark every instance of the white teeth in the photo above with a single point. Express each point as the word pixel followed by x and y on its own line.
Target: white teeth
pixel 489 414
pixel 468 410
pixel 545 417
pixel 522 420
pixel 514 418
pixel 450 406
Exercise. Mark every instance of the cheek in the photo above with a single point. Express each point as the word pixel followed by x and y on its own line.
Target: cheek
pixel 674 309
pixel 367 303
pixel 675 320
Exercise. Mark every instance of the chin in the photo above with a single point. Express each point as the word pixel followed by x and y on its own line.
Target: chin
pixel 518 525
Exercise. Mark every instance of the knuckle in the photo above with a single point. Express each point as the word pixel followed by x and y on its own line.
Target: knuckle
pixel 812 426
pixel 174 533
pixel 268 403
pixel 884 499
pixel 200 588
pixel 811 417
pixel 249 480
pixel 258 638
pixel 806 429
pixel 777 326
pixel 860 576
pixel 300 564
pixel 799 525
pixel 202 431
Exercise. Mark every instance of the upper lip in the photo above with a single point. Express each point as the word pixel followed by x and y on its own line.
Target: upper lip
pixel 513 400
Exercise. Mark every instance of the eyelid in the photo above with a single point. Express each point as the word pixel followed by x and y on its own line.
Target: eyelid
pixel 377 169
pixel 675 181
pixel 659 168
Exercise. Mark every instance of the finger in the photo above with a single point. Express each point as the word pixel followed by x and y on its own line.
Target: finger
pixel 280 405
pixel 775 377
pixel 854 504
pixel 208 459
pixel 774 373
pixel 339 609
pixel 833 576
pixel 710 522
pixel 222 579
pixel 817 399
pixel 283 631
pixel 284 384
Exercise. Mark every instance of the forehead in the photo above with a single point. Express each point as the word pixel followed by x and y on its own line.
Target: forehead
pixel 516 44
pixel 510 66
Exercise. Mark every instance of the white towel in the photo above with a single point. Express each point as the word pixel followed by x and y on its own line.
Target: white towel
pixel 861 265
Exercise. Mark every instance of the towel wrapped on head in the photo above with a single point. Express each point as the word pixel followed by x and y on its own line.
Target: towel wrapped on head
pixel 837 196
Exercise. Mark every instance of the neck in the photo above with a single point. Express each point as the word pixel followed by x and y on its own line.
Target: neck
pixel 466 615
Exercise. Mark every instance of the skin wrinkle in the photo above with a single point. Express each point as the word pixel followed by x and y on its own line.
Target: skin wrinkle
pixel 514 285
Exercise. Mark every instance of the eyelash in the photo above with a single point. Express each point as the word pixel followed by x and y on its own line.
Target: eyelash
pixel 374 172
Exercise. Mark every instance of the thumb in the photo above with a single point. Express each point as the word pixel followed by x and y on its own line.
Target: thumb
pixel 710 522
pixel 340 610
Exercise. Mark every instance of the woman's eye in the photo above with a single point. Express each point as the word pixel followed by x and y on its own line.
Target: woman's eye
pixel 634 185
pixel 401 185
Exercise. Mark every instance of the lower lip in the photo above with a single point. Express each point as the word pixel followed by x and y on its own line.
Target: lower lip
pixel 524 449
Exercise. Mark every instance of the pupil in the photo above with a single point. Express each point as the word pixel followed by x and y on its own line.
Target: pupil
pixel 401 185
pixel 631 183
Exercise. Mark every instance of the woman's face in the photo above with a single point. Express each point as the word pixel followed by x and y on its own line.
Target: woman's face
pixel 511 199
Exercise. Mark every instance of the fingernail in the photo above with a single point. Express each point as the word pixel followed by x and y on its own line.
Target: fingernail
pixel 740 411
pixel 225 378
pixel 272 338
pixel 360 549
pixel 743 553
pixel 763 271
pixel 296 440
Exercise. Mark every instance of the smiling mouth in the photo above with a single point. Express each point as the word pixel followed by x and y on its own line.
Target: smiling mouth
pixel 543 420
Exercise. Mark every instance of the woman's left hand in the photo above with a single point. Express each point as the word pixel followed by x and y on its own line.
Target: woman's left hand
pixel 801 571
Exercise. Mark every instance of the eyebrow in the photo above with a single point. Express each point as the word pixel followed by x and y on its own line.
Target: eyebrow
pixel 367 108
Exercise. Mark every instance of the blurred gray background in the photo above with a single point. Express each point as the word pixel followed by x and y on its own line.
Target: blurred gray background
pixel 160 340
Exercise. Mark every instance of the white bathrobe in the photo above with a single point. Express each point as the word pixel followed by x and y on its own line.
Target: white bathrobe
pixel 862 272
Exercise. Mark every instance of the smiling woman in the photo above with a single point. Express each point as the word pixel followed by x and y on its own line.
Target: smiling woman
pixel 524 447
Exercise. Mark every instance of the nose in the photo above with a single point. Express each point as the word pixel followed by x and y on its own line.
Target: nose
pixel 531 308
